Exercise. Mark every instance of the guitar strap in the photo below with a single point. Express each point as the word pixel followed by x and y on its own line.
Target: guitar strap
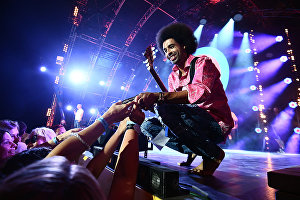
pixel 192 69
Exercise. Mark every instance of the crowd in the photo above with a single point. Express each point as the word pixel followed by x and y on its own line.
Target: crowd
pixel 43 163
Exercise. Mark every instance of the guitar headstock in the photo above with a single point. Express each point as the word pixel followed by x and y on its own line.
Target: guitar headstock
pixel 150 55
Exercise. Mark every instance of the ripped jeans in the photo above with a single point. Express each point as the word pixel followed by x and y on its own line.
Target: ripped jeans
pixel 191 129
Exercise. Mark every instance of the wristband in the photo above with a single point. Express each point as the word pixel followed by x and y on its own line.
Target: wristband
pixel 55 140
pixel 133 125
pixel 103 122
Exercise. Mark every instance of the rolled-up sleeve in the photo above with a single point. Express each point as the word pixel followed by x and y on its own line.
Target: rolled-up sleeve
pixel 205 76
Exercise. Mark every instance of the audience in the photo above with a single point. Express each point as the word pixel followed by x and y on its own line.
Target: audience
pixel 59 129
pixel 62 180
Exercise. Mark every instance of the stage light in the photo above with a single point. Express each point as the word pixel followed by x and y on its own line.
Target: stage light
pixel 237 17
pixel 93 111
pixel 247 50
pixel 77 76
pixel 278 38
pixel 250 69
pixel 258 130
pixel 297 130
pixel 122 87
pixel 69 107
pixel 267 138
pixel 293 104
pixel 43 69
pixel 287 80
pixel 283 58
pixel 203 21
pixel 252 87
pixel 101 83
pixel 254 108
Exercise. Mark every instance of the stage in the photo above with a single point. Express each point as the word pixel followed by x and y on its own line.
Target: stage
pixel 241 175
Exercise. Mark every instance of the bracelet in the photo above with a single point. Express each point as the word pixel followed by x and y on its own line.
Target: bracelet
pixel 81 140
pixel 134 126
pixel 55 140
pixel 103 122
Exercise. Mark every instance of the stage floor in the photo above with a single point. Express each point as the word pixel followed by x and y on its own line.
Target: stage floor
pixel 241 175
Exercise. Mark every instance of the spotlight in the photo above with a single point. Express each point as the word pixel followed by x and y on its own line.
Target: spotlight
pixel 297 130
pixel 122 87
pixel 92 111
pixel 69 107
pixel 252 87
pixel 254 108
pixel 237 17
pixel 203 21
pixel 293 104
pixel 278 38
pixel 77 76
pixel 247 50
pixel 287 80
pixel 43 69
pixel 258 130
pixel 267 138
pixel 101 83
pixel 250 69
pixel 283 58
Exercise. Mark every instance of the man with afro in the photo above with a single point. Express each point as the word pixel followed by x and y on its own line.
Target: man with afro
pixel 195 108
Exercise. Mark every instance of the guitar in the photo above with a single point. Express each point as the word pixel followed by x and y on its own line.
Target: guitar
pixel 150 58
pixel 149 55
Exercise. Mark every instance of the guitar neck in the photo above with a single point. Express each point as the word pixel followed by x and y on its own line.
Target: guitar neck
pixel 158 80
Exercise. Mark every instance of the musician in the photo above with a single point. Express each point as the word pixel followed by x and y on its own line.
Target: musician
pixel 195 109
pixel 78 116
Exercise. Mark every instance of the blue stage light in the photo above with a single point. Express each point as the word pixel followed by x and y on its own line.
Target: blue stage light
pixel 258 130
pixel 293 104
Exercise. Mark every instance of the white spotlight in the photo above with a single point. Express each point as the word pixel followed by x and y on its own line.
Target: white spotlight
pixel 77 76
pixel 93 111
pixel 43 69
pixel 122 87
pixel 101 83
pixel 69 107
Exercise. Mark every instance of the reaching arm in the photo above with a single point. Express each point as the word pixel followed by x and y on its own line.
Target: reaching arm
pixel 127 164
pixel 72 147
pixel 98 163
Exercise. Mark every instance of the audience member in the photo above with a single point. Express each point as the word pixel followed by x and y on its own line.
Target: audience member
pixel 24 158
pixel 53 178
pixel 7 147
pixel 59 129
pixel 13 128
pixel 39 136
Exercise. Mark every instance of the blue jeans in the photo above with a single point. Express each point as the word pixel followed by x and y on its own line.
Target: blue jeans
pixel 76 124
pixel 191 129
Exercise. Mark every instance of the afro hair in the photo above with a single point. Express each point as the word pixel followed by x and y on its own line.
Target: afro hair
pixel 181 33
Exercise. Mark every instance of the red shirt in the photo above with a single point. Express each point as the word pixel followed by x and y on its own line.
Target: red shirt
pixel 206 90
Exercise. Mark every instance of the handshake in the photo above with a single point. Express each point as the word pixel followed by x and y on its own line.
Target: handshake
pixel 145 100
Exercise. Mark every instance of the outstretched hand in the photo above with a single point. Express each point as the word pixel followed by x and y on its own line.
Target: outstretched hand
pixel 137 115
pixel 118 111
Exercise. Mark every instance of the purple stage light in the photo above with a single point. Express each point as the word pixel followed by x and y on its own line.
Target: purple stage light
pixel 279 38
pixel 252 87
pixel 254 108
pixel 287 80
pixel 258 130
pixel 297 130
pixel 283 58
pixel 293 104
